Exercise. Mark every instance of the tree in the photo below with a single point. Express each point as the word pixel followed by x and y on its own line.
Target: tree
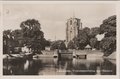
pixel 81 40
pixel 31 28
pixel 18 39
pixel 8 42
pixel 59 44
pixel 62 46
pixel 32 34
pixel 108 45
pixel 16 33
pixel 47 43
pixel 93 42
pixel 109 26
pixel 94 31
pixel 86 30
pixel 71 45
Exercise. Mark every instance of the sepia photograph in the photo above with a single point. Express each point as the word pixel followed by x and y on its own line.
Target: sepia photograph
pixel 59 39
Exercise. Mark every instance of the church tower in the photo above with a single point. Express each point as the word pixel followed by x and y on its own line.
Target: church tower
pixel 72 29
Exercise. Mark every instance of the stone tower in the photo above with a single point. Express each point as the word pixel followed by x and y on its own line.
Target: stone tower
pixel 72 29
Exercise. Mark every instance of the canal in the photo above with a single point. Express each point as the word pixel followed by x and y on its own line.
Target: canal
pixel 54 66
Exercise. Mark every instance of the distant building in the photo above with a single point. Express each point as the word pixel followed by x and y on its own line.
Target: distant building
pixel 73 26
pixel 88 47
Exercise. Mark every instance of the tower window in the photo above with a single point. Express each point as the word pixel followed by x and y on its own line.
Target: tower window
pixel 70 22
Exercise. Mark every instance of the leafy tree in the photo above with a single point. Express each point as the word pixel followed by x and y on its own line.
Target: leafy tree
pixel 17 33
pixel 58 45
pixel 18 39
pixel 93 42
pixel 8 42
pixel 62 46
pixel 54 45
pixel 86 30
pixel 94 31
pixel 71 45
pixel 31 28
pixel 81 40
pixel 32 34
pixel 48 42
pixel 6 32
pixel 108 27
pixel 97 45
pixel 108 45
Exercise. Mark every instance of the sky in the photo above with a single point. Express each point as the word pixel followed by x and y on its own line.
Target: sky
pixel 53 17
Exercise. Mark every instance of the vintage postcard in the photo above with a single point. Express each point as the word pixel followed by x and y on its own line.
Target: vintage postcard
pixel 60 39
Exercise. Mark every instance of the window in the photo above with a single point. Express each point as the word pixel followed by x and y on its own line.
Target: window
pixel 70 22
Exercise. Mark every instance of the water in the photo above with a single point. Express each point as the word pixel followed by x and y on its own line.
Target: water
pixel 53 66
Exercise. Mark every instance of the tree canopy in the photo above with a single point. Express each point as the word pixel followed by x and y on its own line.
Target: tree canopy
pixel 93 42
pixel 108 45
pixel 81 40
pixel 32 34
pixel 108 27
pixel 59 44
pixel 71 45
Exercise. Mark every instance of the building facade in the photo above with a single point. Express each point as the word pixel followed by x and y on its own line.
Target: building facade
pixel 72 29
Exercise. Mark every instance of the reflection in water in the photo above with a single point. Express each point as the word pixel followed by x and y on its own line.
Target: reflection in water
pixel 53 66
pixel 26 65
